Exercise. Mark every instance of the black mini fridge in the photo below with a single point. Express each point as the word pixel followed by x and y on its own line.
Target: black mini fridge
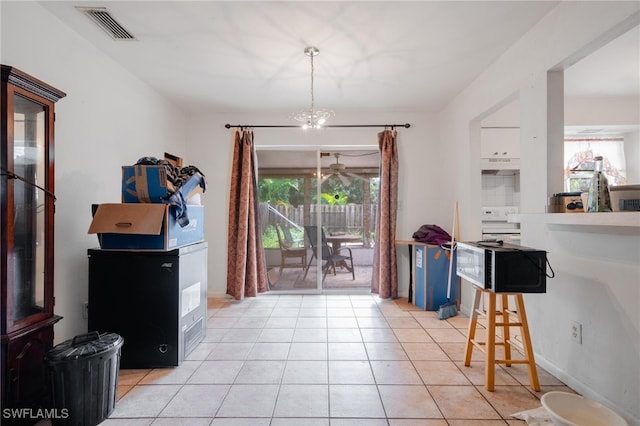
pixel 155 300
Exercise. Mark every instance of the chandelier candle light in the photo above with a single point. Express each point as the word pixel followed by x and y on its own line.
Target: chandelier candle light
pixel 312 117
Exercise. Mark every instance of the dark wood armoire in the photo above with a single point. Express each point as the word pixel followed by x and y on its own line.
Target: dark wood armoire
pixel 27 204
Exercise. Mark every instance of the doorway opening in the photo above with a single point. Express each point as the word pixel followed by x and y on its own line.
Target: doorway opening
pixel 317 210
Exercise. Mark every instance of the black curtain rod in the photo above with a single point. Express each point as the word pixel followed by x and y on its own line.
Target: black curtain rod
pixel 228 126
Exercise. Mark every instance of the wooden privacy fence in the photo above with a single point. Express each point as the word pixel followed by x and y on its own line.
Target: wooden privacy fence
pixel 335 218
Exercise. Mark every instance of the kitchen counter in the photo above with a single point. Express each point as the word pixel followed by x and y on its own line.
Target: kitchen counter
pixel 612 222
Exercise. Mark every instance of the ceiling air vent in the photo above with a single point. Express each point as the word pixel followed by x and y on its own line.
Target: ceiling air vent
pixel 102 17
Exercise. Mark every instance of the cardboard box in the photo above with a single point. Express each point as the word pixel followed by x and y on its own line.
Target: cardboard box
pixel 566 202
pixel 625 197
pixel 173 159
pixel 145 226
pixel 149 184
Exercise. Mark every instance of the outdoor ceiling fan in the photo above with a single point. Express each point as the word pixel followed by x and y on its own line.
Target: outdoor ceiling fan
pixel 339 170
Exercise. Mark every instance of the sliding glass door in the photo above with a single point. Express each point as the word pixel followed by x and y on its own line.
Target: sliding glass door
pixel 317 217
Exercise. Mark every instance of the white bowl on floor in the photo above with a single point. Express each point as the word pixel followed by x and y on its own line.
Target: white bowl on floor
pixel 567 409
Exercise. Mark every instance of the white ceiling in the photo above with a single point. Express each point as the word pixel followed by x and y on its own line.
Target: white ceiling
pixel 248 56
pixel 239 56
pixel 231 56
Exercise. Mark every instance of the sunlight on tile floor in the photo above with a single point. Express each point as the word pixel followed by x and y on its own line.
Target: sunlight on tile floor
pixel 339 360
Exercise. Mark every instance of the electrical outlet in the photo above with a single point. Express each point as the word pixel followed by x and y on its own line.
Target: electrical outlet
pixel 576 332
pixel 85 310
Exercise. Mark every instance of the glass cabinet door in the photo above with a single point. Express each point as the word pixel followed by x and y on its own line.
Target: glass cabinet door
pixel 26 202
pixel 30 206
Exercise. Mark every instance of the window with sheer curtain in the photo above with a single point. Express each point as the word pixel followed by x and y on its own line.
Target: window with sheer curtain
pixel 578 158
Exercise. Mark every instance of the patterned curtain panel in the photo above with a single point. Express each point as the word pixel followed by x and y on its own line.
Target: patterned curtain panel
pixel 246 266
pixel 385 275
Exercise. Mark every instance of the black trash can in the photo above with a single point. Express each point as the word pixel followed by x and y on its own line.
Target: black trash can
pixel 83 378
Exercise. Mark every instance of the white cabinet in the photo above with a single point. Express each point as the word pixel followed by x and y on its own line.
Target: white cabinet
pixel 500 142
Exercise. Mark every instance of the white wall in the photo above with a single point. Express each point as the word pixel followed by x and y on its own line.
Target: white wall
pixel 421 182
pixel 108 119
pixel 597 272
pixel 616 111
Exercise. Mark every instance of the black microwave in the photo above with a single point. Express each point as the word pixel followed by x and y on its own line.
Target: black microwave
pixel 502 267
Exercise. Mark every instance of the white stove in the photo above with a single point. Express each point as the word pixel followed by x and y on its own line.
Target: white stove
pixel 495 226
pixel 498 213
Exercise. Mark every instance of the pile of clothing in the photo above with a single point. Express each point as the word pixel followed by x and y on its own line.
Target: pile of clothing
pixel 176 176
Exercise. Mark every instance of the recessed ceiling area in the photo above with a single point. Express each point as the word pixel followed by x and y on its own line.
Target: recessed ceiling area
pixel 611 71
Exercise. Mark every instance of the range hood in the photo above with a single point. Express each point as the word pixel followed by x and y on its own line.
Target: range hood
pixel 500 166
pixel 505 172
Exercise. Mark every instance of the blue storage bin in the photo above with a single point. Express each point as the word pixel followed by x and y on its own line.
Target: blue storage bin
pixel 431 275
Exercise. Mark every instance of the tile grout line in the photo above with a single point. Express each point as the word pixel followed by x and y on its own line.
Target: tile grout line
pixel 263 327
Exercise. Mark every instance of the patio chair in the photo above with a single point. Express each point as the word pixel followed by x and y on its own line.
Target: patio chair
pixel 330 258
pixel 289 250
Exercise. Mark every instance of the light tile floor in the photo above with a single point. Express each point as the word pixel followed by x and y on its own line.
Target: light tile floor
pixel 339 360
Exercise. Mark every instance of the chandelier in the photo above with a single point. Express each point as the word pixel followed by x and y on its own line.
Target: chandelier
pixel 312 117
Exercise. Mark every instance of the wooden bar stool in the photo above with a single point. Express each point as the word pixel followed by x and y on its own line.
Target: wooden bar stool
pixel 517 318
